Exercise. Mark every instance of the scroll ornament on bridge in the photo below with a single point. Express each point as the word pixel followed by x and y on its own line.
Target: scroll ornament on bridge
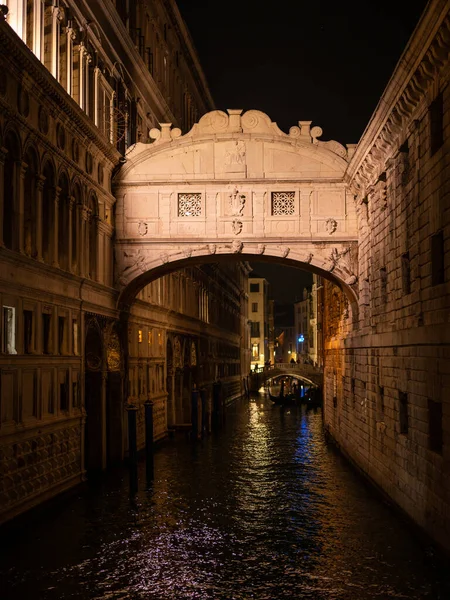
pixel 135 263
pixel 165 134
pixel 343 261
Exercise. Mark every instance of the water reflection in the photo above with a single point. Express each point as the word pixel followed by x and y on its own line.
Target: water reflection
pixel 265 509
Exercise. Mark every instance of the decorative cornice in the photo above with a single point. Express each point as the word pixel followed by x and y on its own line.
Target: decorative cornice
pixel 425 56
pixel 13 47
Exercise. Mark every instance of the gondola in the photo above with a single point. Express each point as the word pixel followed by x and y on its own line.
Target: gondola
pixel 284 400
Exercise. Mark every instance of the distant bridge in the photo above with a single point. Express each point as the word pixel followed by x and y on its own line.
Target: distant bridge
pixel 309 374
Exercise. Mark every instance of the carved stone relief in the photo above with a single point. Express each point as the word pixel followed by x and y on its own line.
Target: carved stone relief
pixel 237 226
pixel 237 246
pixel 237 203
pixel 142 228
pixel 330 226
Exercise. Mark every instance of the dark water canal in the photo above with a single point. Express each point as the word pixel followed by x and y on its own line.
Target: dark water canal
pixel 265 510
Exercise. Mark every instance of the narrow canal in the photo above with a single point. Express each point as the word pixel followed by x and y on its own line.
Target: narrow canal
pixel 265 509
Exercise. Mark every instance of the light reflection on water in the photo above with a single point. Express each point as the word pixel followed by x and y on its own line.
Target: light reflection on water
pixel 263 510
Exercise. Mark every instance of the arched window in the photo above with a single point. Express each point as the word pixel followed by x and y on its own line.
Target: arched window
pixel 10 202
pixel 30 203
pixel 93 221
pixel 63 223
pixel 48 212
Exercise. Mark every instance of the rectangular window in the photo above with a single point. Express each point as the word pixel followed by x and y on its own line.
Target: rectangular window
pixel 254 329
pixel 75 399
pixel 406 273
pixel 61 335
pixel 27 331
pixel 140 336
pixel 46 330
pixel 9 330
pixel 436 124
pixel 63 397
pixel 437 258
pixel 254 307
pixel 254 287
pixel 403 412
pixel 150 337
pixel 189 205
pixel 283 203
pixel 435 426
pixel 255 351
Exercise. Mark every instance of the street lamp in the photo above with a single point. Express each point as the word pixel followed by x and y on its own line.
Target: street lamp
pixel 301 339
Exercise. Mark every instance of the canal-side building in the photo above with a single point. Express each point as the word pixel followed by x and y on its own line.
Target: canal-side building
pixel 387 386
pixel 259 320
pixel 80 84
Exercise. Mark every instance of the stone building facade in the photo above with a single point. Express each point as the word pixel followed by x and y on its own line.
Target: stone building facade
pixel 80 84
pixel 387 366
pixel 259 307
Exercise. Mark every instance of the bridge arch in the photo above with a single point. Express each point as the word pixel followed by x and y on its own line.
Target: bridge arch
pixel 235 186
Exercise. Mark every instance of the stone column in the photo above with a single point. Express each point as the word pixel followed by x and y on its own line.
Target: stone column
pixel 71 200
pixel 39 192
pixel 69 58
pixel 19 224
pixel 3 153
pixel 56 17
pixel 54 242
pixel 83 247
pixel 98 239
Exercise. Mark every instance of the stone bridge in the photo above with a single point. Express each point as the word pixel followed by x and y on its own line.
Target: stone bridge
pixel 308 373
pixel 235 186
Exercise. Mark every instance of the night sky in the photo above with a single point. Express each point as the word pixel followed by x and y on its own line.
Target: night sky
pixel 321 60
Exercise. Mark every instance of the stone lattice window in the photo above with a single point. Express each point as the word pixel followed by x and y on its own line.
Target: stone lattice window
pixel 189 205
pixel 283 203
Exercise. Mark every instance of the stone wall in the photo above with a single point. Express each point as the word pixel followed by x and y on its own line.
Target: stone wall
pixel 38 464
pixel 387 378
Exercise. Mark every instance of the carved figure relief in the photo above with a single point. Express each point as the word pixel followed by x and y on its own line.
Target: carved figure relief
pixel 237 203
pixel 284 251
pixel 261 248
pixel 113 352
pixel 212 248
pixel 193 355
pixel 237 226
pixel 187 252
pixel 235 156
pixel 330 226
pixel 237 246
pixel 177 353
